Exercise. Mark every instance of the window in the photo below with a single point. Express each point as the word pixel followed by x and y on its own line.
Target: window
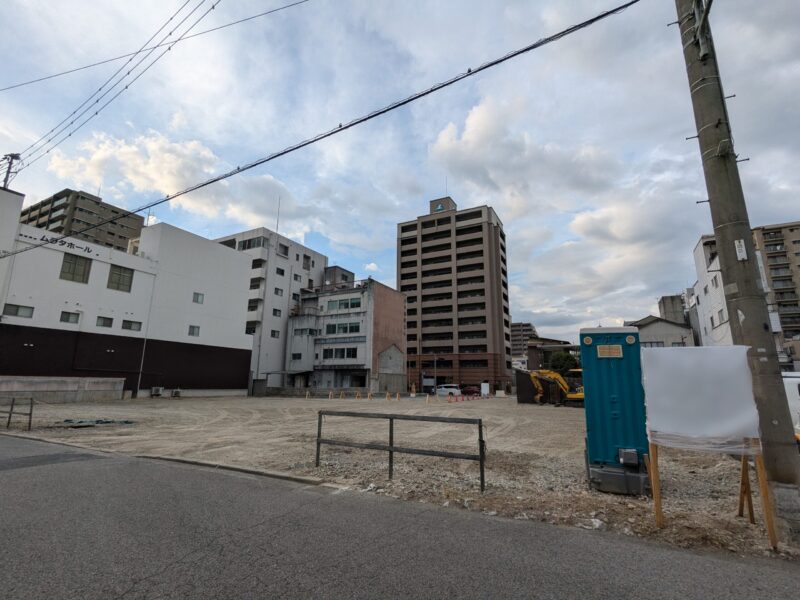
pixel 283 249
pixel 250 328
pixel 296 297
pixel 252 304
pixel 279 271
pixel 338 352
pixel 75 268
pixel 297 277
pixel 678 344
pixel 275 333
pixel 194 330
pixel 69 317
pixel 120 278
pixel 344 303
pixel 105 321
pixel 297 356
pixel 297 257
pixel 352 352
pixel 345 277
pixel 705 290
pixel 327 353
pixel 258 263
pixel 330 328
pixel 132 325
pixel 341 328
pixel 278 292
pixel 333 304
pixel 355 302
pixel 276 312
pixel 257 242
pixel 712 322
pixel 255 283
pixel 652 344
pixel 714 281
pixel 306 262
pixel 720 316
pixel 355 327
pixel 15 310
pixel 198 298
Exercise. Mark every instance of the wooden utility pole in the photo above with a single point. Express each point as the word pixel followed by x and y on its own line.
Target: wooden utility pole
pixel 744 295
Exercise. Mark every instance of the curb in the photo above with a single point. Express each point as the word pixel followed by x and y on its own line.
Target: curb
pixel 264 473
pixel 189 461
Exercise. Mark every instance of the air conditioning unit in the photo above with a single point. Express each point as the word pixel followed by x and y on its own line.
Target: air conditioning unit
pixel 156 391
pixel 175 394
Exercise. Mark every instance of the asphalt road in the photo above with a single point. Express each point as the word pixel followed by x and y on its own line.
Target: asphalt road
pixel 80 524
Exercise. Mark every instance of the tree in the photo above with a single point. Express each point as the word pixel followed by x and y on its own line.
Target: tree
pixel 562 362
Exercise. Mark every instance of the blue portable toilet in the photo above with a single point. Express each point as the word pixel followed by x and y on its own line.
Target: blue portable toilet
pixel 616 437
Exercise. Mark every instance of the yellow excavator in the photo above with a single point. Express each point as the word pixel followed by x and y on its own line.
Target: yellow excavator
pixel 568 394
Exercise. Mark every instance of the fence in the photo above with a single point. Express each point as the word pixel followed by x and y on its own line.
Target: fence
pixel 391 448
pixel 10 411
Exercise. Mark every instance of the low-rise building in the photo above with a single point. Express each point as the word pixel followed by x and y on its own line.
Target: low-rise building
pixel 655 332
pixel 348 334
pixel 170 316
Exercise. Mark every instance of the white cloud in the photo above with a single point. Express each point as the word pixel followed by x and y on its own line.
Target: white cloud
pixel 372 267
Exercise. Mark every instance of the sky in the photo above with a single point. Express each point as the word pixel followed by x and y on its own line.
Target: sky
pixel 578 146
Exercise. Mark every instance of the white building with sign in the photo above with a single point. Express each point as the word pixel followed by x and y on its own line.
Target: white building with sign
pixel 172 315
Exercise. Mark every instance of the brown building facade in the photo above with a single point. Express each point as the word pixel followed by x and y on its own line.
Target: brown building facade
pixel 780 249
pixel 451 265
pixel 69 211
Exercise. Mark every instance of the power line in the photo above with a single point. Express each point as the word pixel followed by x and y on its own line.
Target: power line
pixel 342 127
pixel 109 80
pixel 30 160
pixel 188 37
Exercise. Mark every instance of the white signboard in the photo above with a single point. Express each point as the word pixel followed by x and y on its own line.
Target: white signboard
pixel 700 398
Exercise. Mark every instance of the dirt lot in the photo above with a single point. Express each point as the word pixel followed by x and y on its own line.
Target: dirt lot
pixel 535 467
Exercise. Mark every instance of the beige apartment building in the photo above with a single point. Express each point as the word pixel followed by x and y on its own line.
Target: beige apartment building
pixel 451 265
pixel 69 211
pixel 779 246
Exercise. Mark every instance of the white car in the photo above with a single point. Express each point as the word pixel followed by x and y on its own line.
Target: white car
pixel 449 389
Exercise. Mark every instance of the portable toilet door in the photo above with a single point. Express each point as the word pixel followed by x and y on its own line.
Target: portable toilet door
pixel 616 435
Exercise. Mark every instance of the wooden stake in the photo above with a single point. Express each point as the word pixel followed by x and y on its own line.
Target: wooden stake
pixel 387 396
pixel 745 493
pixel 766 502
pixel 307 394
pixel 655 482
pixel 358 395
pixel 341 395
pixel 398 396
pixel 330 395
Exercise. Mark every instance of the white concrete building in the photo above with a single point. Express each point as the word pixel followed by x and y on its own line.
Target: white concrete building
pixel 348 335
pixel 708 299
pixel 172 315
pixel 279 269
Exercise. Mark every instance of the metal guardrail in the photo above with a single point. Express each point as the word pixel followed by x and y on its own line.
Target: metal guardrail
pixel 10 411
pixel 391 448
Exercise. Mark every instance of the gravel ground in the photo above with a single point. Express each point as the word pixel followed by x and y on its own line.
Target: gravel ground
pixel 535 466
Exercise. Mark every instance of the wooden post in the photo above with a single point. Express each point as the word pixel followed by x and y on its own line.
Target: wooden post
pixel 745 494
pixel 358 395
pixel 370 396
pixel 341 395
pixel 330 395
pixel 398 396
pixel 427 398
pixel 766 502
pixel 651 462
pixel 387 396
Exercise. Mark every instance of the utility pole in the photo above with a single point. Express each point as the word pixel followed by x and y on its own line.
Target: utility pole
pixel 744 294
pixel 9 158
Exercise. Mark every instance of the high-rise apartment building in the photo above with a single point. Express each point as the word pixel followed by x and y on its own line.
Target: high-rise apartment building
pixel 520 334
pixel 451 264
pixel 779 246
pixel 70 211
pixel 280 269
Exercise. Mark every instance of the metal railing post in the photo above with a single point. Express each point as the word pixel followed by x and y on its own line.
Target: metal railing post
pixel 10 412
pixel 319 435
pixel 391 447
pixel 30 414
pixel 481 452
